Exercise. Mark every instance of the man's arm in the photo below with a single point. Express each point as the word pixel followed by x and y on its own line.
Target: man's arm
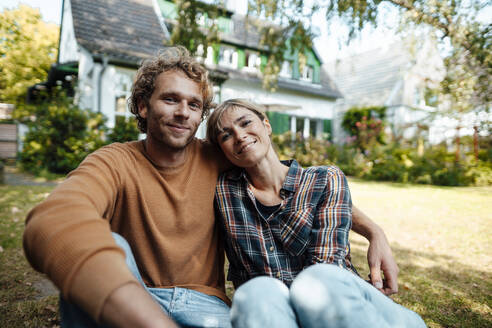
pixel 68 238
pixel 131 306
pixel 379 253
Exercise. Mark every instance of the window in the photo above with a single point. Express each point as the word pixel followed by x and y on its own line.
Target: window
pixel 123 84
pixel 210 56
pixel 286 70
pixel 313 128
pixel 228 57
pixel 253 60
pixel 201 19
pixel 121 106
pixel 431 97
pixel 307 73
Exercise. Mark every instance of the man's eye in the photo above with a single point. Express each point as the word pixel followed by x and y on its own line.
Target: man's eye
pixel 169 99
pixel 195 106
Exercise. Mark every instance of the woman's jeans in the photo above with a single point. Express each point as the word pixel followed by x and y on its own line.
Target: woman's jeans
pixel 188 308
pixel 322 295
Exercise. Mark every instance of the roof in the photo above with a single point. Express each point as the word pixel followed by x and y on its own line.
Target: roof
pixel 369 78
pixel 126 30
pixel 129 31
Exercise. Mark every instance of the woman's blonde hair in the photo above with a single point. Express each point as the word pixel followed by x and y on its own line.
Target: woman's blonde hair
pixel 214 127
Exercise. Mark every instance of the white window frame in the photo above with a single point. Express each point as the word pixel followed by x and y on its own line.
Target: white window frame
pixel 307 73
pixel 228 57
pixel 286 70
pixel 253 61
pixel 123 86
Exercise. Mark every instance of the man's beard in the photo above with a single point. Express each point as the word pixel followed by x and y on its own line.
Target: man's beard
pixel 168 141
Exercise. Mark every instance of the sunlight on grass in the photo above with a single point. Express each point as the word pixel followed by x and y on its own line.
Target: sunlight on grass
pixel 441 239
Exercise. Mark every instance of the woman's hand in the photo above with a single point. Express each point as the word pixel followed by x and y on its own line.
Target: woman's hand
pixel 379 255
pixel 380 258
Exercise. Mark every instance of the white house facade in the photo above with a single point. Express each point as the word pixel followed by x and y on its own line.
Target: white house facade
pixel 105 41
pixel 395 76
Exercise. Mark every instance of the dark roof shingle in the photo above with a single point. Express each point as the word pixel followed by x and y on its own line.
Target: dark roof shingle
pixel 126 30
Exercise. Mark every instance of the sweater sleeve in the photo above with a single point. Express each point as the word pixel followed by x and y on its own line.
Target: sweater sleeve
pixel 68 236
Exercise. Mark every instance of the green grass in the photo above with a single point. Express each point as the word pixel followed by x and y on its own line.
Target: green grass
pixel 441 238
pixel 20 302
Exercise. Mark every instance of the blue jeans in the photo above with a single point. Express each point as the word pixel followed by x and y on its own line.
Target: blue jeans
pixel 187 307
pixel 322 295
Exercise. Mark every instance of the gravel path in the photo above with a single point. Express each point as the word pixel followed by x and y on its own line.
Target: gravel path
pixel 13 177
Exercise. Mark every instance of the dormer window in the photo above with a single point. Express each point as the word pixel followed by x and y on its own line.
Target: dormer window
pixel 210 56
pixel 286 70
pixel 228 57
pixel 307 73
pixel 201 19
pixel 253 61
pixel 199 50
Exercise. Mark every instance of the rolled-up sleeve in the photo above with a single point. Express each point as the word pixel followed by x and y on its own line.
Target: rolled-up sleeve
pixel 332 221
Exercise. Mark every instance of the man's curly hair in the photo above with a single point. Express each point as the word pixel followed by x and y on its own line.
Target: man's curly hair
pixel 170 59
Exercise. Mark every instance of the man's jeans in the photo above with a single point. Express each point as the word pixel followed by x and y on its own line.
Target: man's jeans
pixel 188 308
pixel 322 295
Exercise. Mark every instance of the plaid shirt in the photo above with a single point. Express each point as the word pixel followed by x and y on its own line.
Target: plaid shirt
pixel 310 226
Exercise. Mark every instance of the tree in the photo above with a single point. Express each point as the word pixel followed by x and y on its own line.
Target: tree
pixel 452 20
pixel 28 47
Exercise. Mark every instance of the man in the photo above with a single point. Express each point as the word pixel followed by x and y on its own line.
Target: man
pixel 157 194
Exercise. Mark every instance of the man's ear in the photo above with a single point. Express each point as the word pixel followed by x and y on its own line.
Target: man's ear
pixel 266 122
pixel 142 110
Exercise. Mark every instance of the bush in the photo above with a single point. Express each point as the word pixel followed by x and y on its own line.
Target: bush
pixel 308 152
pixel 59 135
pixel 390 162
pixel 125 129
pixel 366 125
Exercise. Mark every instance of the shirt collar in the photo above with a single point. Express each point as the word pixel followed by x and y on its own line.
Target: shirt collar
pixel 291 182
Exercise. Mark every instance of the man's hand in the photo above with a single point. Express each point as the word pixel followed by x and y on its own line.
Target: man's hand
pixel 380 259
pixel 131 306
pixel 379 253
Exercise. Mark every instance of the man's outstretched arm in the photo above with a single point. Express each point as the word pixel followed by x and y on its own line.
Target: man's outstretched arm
pixel 379 254
pixel 68 238
pixel 131 306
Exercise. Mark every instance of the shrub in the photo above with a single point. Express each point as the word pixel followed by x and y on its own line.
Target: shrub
pixel 390 162
pixel 59 135
pixel 308 152
pixel 366 125
pixel 125 129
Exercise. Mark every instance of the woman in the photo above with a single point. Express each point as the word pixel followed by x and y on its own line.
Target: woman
pixel 286 234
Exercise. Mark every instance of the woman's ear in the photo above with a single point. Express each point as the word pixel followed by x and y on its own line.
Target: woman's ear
pixel 266 122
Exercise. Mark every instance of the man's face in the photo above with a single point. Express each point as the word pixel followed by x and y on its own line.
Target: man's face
pixel 174 111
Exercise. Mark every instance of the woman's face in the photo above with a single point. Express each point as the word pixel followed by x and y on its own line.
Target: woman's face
pixel 245 139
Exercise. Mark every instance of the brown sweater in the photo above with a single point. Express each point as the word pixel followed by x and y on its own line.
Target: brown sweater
pixel 166 215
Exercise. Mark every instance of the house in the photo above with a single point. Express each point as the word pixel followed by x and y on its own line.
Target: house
pixel 400 76
pixel 105 40
pixel 8 132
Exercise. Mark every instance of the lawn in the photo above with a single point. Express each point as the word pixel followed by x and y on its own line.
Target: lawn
pixel 440 237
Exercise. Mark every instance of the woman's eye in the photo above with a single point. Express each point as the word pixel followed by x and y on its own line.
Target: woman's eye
pixel 224 137
pixel 245 123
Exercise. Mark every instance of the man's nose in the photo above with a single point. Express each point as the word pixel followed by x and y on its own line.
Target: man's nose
pixel 183 109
